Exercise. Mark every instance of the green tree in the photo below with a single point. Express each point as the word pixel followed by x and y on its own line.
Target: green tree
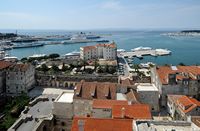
pixel 55 68
pixel 96 64
pixel 181 64
pixel 44 68
pixel 112 69
pixel 54 56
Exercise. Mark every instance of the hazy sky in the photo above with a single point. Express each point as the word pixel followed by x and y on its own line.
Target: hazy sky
pixel 99 14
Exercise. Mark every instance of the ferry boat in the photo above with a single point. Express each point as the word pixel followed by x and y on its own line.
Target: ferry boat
pixel 141 48
pixel 27 45
pixel 163 51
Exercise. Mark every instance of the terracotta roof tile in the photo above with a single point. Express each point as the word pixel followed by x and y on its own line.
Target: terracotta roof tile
pixel 87 48
pixel 126 82
pixel 97 124
pixel 190 71
pixel 112 45
pixel 4 64
pixel 135 111
pixel 184 103
pixel 107 104
pixel 95 90
pixel 19 67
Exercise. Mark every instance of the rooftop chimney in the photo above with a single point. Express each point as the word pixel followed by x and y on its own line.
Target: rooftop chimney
pixel 81 124
pixel 122 112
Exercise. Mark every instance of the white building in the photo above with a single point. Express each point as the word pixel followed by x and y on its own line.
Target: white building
pixel 20 78
pixel 99 51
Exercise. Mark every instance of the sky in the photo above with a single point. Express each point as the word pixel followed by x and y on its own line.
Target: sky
pixel 99 14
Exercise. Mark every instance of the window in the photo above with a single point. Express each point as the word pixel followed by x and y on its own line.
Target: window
pixel 63 123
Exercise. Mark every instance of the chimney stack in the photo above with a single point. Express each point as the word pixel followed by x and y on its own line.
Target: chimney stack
pixel 81 124
pixel 122 112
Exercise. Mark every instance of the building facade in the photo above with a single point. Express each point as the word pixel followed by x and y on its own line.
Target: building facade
pixel 148 94
pixel 99 51
pixel 3 67
pixel 179 80
pixel 180 107
pixel 20 78
pixel 86 92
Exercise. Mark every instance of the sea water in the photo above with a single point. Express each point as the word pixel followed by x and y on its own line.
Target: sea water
pixel 185 49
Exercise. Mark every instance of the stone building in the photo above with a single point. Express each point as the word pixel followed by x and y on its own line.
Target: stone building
pixel 148 94
pixel 20 78
pixel 180 107
pixel 179 80
pixel 103 108
pixel 85 92
pixel 3 67
pixel 63 110
pixel 99 51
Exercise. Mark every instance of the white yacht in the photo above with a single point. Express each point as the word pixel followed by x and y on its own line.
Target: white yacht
pixel 141 48
pixel 163 51
pixel 37 55
pixel 72 54
pixel 120 50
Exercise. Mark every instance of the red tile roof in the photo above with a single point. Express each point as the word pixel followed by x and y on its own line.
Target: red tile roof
pixel 87 48
pixel 97 124
pixel 108 104
pixel 95 90
pixel 184 103
pixel 112 45
pixel 19 67
pixel 191 71
pixel 127 82
pixel 188 103
pixel 135 111
pixel 4 64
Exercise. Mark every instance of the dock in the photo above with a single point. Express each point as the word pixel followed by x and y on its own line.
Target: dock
pixel 141 53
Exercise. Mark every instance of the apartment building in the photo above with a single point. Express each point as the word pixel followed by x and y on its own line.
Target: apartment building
pixel 20 78
pixel 99 51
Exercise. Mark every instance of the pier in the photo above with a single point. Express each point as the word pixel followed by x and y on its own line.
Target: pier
pixel 141 53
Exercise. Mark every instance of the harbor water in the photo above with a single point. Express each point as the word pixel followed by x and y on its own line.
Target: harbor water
pixel 185 49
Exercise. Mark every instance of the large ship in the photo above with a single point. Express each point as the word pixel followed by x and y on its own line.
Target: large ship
pixel 29 45
pixel 79 38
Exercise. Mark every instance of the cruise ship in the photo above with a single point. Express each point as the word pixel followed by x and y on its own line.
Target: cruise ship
pixel 80 38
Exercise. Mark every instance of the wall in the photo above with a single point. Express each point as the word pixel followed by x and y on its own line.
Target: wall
pixel 101 113
pixel 82 107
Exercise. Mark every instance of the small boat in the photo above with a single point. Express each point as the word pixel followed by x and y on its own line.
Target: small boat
pixel 120 50
pixel 73 53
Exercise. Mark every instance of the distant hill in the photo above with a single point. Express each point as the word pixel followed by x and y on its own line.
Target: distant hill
pixel 190 31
